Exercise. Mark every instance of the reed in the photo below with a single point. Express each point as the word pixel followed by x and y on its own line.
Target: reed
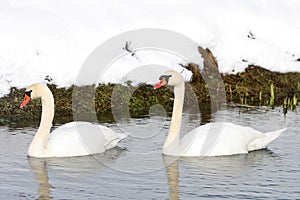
pixel 260 97
pixel 272 98
pixel 285 106
pixel 295 102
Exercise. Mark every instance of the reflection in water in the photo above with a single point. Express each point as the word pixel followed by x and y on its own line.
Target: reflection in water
pixel 259 174
pixel 232 166
pixel 71 166
pixel 171 165
pixel 206 113
pixel 39 168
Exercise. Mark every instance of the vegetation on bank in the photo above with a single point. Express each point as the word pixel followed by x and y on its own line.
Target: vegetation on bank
pixel 255 86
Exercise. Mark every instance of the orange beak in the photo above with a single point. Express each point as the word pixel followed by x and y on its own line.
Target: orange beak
pixel 162 83
pixel 26 100
pixel 158 85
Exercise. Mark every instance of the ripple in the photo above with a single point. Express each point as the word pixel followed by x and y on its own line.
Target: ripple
pixel 264 174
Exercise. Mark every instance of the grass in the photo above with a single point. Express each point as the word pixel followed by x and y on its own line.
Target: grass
pixel 255 86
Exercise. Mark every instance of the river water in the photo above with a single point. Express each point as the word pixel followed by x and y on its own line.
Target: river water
pixel 136 169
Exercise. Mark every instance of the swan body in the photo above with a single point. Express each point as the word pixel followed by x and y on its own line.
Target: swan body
pixel 212 139
pixel 71 139
pixel 78 139
pixel 231 139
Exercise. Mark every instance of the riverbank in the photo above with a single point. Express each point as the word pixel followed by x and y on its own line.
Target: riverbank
pixel 255 86
pixel 252 87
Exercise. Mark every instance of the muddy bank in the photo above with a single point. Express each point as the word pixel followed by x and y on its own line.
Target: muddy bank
pixel 255 86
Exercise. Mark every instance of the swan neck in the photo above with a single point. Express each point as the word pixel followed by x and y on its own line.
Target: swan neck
pixel 39 141
pixel 172 141
pixel 47 110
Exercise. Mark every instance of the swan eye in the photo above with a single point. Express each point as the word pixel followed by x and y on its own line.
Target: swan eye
pixel 166 77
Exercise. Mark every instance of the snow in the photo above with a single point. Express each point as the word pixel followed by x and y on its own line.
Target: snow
pixel 55 37
pixel 145 67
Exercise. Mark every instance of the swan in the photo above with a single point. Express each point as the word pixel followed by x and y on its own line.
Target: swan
pixel 76 138
pixel 212 139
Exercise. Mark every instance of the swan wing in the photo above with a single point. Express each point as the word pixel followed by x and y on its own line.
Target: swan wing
pixel 217 139
pixel 80 138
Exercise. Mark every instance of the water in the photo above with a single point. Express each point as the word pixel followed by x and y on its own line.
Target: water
pixel 137 170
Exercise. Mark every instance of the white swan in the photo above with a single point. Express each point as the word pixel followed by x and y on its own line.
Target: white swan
pixel 71 139
pixel 213 139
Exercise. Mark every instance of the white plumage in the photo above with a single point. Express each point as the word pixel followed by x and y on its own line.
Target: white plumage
pixel 71 139
pixel 213 139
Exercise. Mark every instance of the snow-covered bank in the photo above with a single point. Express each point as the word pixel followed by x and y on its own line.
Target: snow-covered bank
pixel 40 38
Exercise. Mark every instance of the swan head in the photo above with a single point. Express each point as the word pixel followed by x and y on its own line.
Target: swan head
pixel 33 92
pixel 171 78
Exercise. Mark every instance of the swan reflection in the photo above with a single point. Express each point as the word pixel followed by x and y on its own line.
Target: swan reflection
pixel 225 166
pixel 39 168
pixel 74 167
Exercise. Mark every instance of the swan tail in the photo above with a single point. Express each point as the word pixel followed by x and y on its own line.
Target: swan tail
pixel 265 140
pixel 122 135
pixel 114 141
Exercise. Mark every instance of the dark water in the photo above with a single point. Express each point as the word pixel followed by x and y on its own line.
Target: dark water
pixel 137 170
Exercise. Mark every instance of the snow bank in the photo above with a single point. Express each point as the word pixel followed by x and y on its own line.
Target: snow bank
pixel 54 37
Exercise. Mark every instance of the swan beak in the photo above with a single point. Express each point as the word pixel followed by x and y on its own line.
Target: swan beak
pixel 162 83
pixel 26 100
pixel 158 85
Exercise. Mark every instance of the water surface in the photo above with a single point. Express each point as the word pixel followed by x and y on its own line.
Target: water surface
pixel 137 170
